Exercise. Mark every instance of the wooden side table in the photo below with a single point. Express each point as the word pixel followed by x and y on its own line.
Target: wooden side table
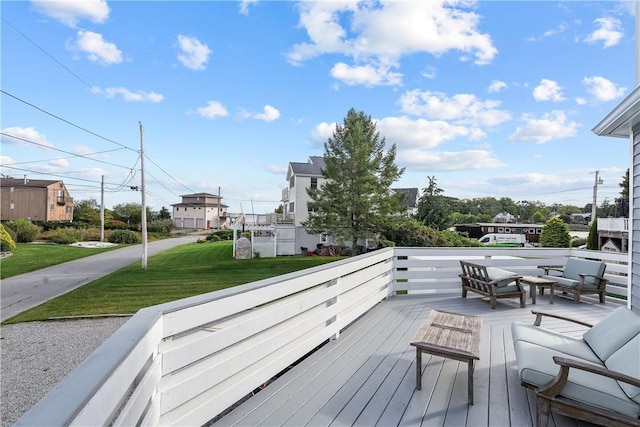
pixel 538 282
pixel 451 335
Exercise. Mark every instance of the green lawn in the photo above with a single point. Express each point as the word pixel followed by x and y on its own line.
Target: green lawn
pixel 33 256
pixel 180 272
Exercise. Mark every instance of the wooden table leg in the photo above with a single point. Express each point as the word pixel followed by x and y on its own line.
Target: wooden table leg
pixel 532 291
pixel 470 382
pixel 418 369
pixel 551 293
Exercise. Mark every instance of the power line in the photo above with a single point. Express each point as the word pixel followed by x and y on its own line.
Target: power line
pixel 47 53
pixel 66 121
pixel 85 156
pixel 170 176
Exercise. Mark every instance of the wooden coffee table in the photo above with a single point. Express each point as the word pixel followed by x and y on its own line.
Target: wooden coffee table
pixel 538 282
pixel 450 335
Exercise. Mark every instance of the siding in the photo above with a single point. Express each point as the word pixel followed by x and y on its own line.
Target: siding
pixel 635 227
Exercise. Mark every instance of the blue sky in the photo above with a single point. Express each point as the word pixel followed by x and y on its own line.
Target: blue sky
pixel 493 98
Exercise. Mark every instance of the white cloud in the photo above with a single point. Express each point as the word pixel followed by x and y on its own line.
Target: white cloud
pixel 429 73
pixel 69 12
pixel 276 169
pixel 97 49
pixel 609 32
pixel 603 89
pixel 213 109
pixel 24 136
pixel 496 86
pixel 449 160
pixel 462 108
pixel 322 132
pixel 127 95
pixel 553 125
pixel 193 53
pixel 548 90
pixel 550 32
pixel 367 75
pixel 244 6
pixel 581 101
pixel 268 114
pixel 407 133
pixel 383 32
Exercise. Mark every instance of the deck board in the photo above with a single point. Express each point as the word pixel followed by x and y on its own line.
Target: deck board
pixel 367 376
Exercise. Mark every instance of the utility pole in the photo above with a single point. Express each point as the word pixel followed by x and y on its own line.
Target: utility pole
pixel 102 210
pixel 144 204
pixel 219 207
pixel 594 205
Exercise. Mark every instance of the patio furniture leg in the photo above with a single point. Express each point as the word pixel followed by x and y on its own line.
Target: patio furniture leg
pixel 542 416
pixel 551 294
pixel 418 369
pixel 470 382
pixel 532 291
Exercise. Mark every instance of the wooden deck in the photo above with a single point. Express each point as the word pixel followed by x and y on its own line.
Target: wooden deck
pixel 367 376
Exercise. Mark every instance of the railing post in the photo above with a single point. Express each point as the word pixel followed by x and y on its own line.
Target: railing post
pixel 333 301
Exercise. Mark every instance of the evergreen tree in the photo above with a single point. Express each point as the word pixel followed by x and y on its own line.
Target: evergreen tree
pixel 592 240
pixel 555 234
pixel 356 197
pixel 434 209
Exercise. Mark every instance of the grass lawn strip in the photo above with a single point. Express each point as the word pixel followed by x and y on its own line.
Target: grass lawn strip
pixel 174 274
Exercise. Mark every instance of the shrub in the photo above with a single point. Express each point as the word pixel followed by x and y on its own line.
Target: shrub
pixel 11 233
pixel 7 244
pixel 213 238
pixel 555 234
pixel 160 226
pixel 66 236
pixel 222 234
pixel 25 230
pixel 123 236
pixel 592 240
pixel 115 224
pixel 578 241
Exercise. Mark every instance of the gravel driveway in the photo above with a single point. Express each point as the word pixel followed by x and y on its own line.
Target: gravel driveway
pixel 35 356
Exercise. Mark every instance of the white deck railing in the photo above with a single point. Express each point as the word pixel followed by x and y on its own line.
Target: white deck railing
pixel 185 362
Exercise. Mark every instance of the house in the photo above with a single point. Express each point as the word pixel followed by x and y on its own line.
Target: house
pixel 35 199
pixel 624 122
pixel 201 211
pixel 300 177
pixel 504 217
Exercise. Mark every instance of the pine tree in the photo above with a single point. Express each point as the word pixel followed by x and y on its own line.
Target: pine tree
pixel 356 197
pixel 555 234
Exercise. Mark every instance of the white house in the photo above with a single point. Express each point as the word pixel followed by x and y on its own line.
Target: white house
pixel 200 210
pixel 300 177
pixel 624 122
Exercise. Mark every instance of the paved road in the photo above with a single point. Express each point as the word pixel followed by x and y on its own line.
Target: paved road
pixel 20 293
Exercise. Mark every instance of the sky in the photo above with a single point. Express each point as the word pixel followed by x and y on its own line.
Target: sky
pixel 492 98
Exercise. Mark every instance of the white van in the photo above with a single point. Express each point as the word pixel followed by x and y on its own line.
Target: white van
pixel 503 240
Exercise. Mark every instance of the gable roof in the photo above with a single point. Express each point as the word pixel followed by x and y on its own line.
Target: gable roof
pixel 412 196
pixel 314 166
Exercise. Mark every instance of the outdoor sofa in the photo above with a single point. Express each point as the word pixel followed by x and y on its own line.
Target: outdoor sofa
pixel 594 378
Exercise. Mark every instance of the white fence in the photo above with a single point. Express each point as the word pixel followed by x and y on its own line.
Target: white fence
pixel 185 362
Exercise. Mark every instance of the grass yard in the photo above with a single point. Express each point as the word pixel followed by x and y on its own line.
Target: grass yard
pixel 34 256
pixel 178 273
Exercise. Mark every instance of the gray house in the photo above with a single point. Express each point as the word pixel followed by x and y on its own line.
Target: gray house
pixel 624 122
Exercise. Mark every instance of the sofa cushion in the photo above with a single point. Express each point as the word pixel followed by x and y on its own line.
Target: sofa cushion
pixel 576 347
pixel 507 289
pixel 612 332
pixel 627 361
pixel 562 281
pixel 536 367
pixel 504 277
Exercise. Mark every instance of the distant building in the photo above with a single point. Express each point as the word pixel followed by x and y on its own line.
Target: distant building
pixel 477 230
pixel 201 211
pixel 35 199
pixel 411 202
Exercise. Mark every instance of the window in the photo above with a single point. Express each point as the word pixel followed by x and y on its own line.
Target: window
pixel 489 229
pixel 69 210
pixel 51 207
pixel 12 205
pixel 314 182
pixel 291 207
pixel 12 189
pixel 500 229
pixel 507 230
pixel 324 238
pixel 292 181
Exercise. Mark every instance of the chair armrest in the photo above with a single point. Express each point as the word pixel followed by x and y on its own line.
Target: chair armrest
pixel 554 387
pixel 547 268
pixel 601 284
pixel 541 314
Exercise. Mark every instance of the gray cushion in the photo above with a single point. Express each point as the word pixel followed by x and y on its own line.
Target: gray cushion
pixel 507 289
pixel 612 332
pixel 627 361
pixel 504 277
pixel 575 266
pixel 536 366
pixel 564 282
pixel 575 347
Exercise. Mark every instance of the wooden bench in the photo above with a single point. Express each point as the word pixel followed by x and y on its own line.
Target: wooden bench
pixel 451 335
pixel 491 282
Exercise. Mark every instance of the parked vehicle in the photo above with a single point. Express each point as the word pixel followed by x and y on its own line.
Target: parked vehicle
pixel 505 240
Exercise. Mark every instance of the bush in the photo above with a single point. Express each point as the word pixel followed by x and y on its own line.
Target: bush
pixel 578 241
pixel 7 244
pixel 25 230
pixel 66 236
pixel 222 234
pixel 123 236
pixel 160 226
pixel 592 240
pixel 555 234
pixel 11 233
pixel 213 238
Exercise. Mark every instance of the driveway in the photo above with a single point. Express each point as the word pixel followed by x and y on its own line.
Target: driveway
pixel 20 293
